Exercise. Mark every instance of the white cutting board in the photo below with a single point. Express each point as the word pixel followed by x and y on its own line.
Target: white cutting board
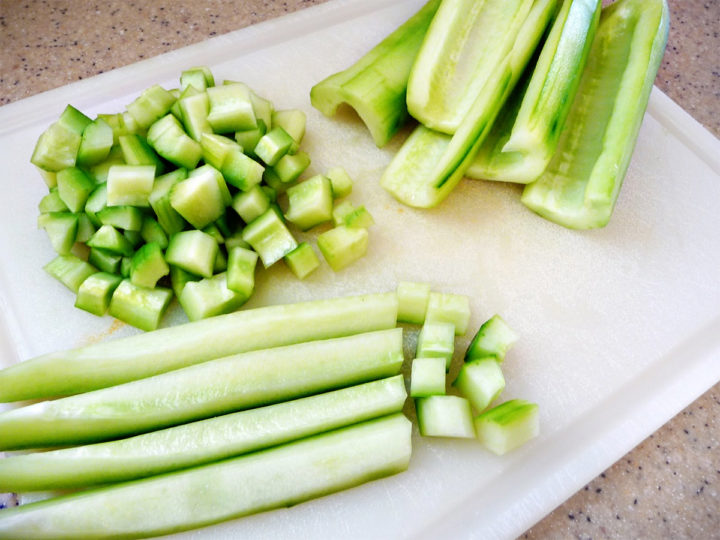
pixel 620 327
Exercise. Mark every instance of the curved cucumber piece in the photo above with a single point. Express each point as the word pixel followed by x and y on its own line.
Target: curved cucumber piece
pixel 202 441
pixel 274 478
pixel 375 85
pixel 523 140
pixel 466 43
pixel 127 359
pixel 582 182
pixel 215 387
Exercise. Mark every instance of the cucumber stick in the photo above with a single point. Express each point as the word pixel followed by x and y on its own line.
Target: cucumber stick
pixel 430 164
pixel 274 478
pixel 582 182
pixel 215 387
pixel 523 140
pixel 375 85
pixel 203 441
pixel 126 359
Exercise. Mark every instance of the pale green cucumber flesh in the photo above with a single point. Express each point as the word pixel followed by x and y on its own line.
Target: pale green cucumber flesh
pixel 445 416
pixel 508 426
pixel 427 377
pixel 412 301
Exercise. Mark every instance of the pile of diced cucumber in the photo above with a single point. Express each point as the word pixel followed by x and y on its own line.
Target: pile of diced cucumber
pixel 180 195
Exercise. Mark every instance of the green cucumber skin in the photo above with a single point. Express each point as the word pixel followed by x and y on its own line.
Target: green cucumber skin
pixel 278 477
pixel 215 387
pixel 580 187
pixel 203 441
pixel 135 357
pixel 375 86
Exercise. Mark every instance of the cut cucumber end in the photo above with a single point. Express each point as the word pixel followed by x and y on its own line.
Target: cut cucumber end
pixel 508 426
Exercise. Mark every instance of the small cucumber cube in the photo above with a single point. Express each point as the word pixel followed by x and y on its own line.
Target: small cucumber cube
pixel 116 122
pixel 85 228
pixel 242 171
pixel 193 251
pixel 290 167
pixel 139 306
pixel 481 381
pixel 74 120
pixel 74 188
pixel 169 140
pixel 195 109
pixel 179 277
pixel 231 108
pixel 452 308
pixel 236 240
pixel 269 237
pixel 273 145
pixel 248 139
pixel 445 416
pixel 202 197
pixel 292 121
pixel 125 266
pixel 52 203
pixel 412 301
pixel 427 377
pixel 148 265
pixel 213 231
pixel 221 262
pixel 494 338
pixel 310 202
pixel 270 192
pixel 61 228
pixel 136 151
pixel 56 148
pixel 153 103
pixel 436 340
pixel 342 246
pixel 302 260
pixel 96 202
pixel 187 92
pixel 134 237
pixel 100 171
pixel 95 292
pixel 129 218
pixel 508 426
pixel 272 180
pixel 347 214
pixel 209 297
pixel 109 238
pixel 216 147
pixel 105 261
pixel 241 270
pixel 95 143
pixel 70 270
pixel 49 177
pixel 200 76
pixel 263 109
pixel 152 232
pixel 159 200
pixel 130 185
pixel 340 181
pixel 251 204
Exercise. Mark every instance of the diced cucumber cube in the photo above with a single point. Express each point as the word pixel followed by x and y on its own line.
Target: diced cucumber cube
pixel 342 246
pixel 270 192
pixel 61 228
pixel 209 297
pixel 152 104
pixel 74 188
pixel 290 167
pixel 74 120
pixel 242 171
pixel 340 181
pixel 213 231
pixel 221 262
pixel 236 240
pixel 216 147
pixel 188 91
pixel 445 416
pixel 508 426
pixel 152 232
pixel 117 124
pixel 481 381
pixel 269 237
pixel 195 109
pixel 70 270
pixel 129 218
pixel 273 145
pixel 139 306
pixel 100 171
pixel 241 270
pixel 95 143
pixel 52 203
pixel 148 265
pixel 96 202
pixel 292 121
pixel 436 340
pixel 202 197
pixel 272 180
pixel 136 151
pixel 49 177
pixel 159 199
pixel 494 338
pixel 56 148
pixel 310 202
pixel 125 266
pixel 427 377
pixel 109 238
pixel 452 308
pixel 412 301
pixel 302 260
pixel 200 77
pixel 263 109
pixel 347 214
pixel 95 292
pixel 85 228
pixel 249 138
pixel 251 204
pixel 134 237
pixel 193 251
pixel 231 108
pixel 105 261
pixel 130 185
pixel 179 277
pixel 169 140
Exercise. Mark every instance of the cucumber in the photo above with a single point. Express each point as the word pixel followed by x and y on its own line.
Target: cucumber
pixel 95 144
pixel 269 237
pixel 413 301
pixel 130 185
pixel 139 306
pixel 241 270
pixel 250 204
pixel 126 359
pixel 302 260
pixel 70 270
pixel 95 292
pixel 427 377
pixel 481 381
pixel 214 387
pixel 291 166
pixel 494 338
pixel 282 476
pixel 375 85
pixel 209 297
pixel 445 416
pixel 202 441
pixel 231 108
pixel 273 145
pixel 148 265
pixel 202 197
pixel 449 308
pixel 581 184
pixel 193 251
pixel 340 181
pixel 508 426
pixel 436 340
pixel 61 228
pixel 310 202
pixel 74 187
pixel 341 246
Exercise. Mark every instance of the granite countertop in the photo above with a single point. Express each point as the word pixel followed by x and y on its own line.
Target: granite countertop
pixel 668 486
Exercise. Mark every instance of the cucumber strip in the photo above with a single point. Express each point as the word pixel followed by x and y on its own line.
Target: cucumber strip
pixel 214 387
pixel 310 202
pixel 70 270
pixel 130 185
pixel 449 308
pixel 269 237
pixel 430 164
pixel 427 377
pixel 582 182
pixel 210 296
pixel 341 182
pixel 139 306
pixel 494 338
pixel 203 441
pixel 61 229
pixel 342 246
pixel 480 381
pixel 375 85
pixel 445 416
pixel 466 43
pixel 523 143
pixel 413 301
pixel 436 340
pixel 274 478
pixel 302 260
pixel 95 292
pixel 241 270
pixel 508 426
pixel 135 357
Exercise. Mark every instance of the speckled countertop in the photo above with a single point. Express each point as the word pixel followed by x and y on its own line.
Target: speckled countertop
pixel 666 488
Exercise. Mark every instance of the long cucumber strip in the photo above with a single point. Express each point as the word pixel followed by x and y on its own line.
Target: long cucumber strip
pixel 202 441
pixel 582 182
pixel 466 43
pixel 215 387
pixel 430 164
pixel 375 85
pixel 523 142
pixel 127 359
pixel 274 478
